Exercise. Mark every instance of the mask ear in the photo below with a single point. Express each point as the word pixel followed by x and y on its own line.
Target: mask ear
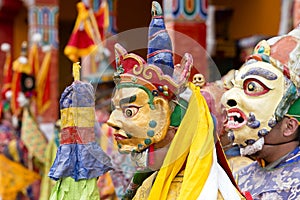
pixel 291 125
pixel 161 114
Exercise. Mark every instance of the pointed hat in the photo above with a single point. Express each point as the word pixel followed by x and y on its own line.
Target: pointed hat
pixel 159 42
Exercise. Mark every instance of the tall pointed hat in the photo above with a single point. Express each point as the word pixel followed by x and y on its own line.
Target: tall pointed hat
pixel 159 42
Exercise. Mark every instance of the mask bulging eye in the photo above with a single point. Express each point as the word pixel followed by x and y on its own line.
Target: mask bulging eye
pixel 254 87
pixel 130 111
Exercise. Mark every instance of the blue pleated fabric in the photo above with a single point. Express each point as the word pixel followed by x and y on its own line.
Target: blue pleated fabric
pixel 80 161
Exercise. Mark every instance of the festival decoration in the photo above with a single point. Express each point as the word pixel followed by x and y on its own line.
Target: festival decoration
pixel 85 36
pixel 43 84
pixel 102 18
pixel 33 138
pixel 33 55
pixel 7 72
pixel 14 178
pixel 22 82
pixel 79 160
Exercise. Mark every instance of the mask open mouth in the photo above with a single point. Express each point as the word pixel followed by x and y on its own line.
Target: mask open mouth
pixel 235 119
pixel 120 136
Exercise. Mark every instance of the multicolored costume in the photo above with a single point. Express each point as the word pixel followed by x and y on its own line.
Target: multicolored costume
pixel 79 160
pixel 266 91
pixel 280 180
pixel 165 124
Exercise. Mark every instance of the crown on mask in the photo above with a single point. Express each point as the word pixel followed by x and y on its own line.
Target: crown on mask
pixel 158 74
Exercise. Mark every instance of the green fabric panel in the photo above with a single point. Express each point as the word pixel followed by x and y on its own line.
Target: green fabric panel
pixel 178 113
pixel 68 188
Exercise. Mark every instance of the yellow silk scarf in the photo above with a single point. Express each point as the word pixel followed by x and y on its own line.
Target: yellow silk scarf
pixel 193 144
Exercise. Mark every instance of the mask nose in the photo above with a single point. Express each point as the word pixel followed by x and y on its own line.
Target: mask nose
pixel 231 102
pixel 112 122
pixel 230 98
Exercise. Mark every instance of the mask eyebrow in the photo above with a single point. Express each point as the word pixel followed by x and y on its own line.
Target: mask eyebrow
pixel 127 100
pixel 260 72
